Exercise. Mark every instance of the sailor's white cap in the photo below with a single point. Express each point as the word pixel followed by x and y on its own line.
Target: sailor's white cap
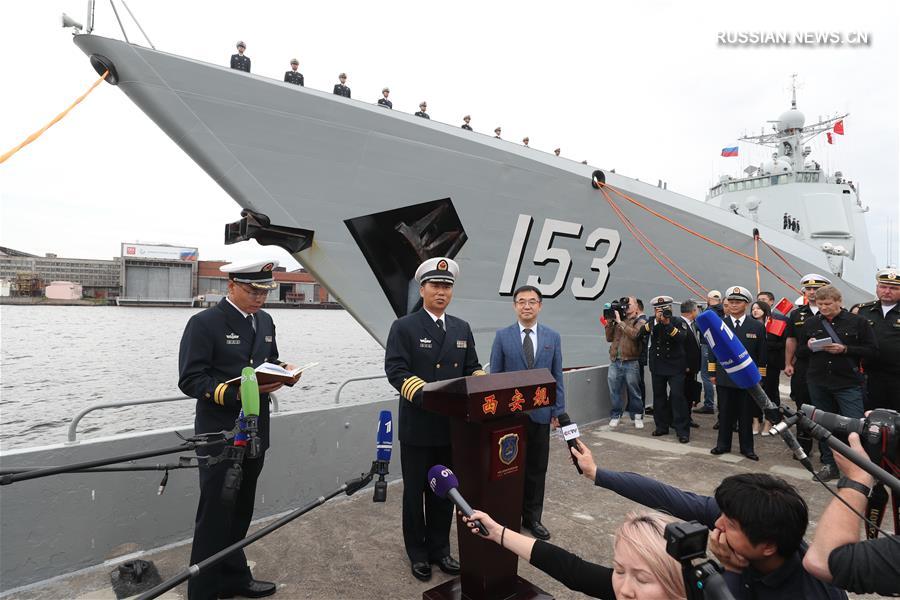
pixel 888 276
pixel 241 44
pixel 714 294
pixel 814 280
pixel 438 269
pixel 737 292
pixel 294 61
pixel 661 301
pixel 256 273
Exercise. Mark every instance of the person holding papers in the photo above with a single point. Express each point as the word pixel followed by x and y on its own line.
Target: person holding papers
pixel 216 345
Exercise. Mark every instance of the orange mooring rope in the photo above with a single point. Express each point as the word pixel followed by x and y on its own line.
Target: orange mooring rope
pixel 601 185
pixel 756 258
pixel 56 119
pixel 641 237
pixel 778 254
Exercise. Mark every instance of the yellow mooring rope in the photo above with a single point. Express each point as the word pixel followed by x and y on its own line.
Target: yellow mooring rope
pixel 41 131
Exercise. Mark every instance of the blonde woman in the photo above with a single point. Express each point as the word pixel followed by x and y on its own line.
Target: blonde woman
pixel 641 569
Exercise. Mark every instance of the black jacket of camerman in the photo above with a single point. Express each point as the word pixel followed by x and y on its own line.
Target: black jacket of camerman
pixel 869 567
pixel 838 370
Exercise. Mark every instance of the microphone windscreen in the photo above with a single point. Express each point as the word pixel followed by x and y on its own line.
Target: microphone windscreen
pixel 729 351
pixel 564 419
pixel 384 439
pixel 249 392
pixel 441 480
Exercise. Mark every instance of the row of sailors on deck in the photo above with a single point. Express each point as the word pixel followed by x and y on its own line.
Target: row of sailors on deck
pixel 241 62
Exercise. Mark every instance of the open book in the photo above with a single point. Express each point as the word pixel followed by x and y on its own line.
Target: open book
pixel 272 373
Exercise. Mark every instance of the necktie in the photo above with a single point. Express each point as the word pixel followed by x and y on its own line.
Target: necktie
pixel 528 348
pixel 252 322
pixel 695 331
pixel 440 324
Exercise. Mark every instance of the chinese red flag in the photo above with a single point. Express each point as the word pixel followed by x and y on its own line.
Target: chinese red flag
pixel 839 127
pixel 603 321
pixel 828 135
pixel 785 306
pixel 776 327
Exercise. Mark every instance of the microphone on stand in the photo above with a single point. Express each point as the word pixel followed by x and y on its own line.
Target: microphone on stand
pixel 384 441
pixel 570 434
pixel 246 441
pixel 739 365
pixel 444 484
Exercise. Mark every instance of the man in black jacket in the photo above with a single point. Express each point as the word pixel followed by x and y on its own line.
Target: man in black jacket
pixel 421 112
pixel 735 403
pixel 692 387
pixel 713 303
pixel 834 377
pixel 384 101
pixel 427 345
pixel 294 76
pixel 217 344
pixel 883 371
pixel 667 367
pixel 239 61
pixel 341 89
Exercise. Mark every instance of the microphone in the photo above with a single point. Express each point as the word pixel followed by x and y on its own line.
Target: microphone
pixel 739 365
pixel 570 434
pixel 384 441
pixel 444 484
pixel 249 420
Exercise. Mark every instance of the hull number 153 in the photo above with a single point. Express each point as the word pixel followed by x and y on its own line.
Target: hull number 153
pixel 545 253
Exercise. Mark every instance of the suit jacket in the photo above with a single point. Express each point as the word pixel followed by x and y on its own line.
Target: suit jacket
pixel 241 63
pixel 341 90
pixel 507 355
pixel 752 335
pixel 692 350
pixel 416 353
pixel 217 343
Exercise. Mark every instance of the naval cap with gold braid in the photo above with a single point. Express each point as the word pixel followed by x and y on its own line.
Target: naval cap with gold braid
pixel 439 269
pixel 888 276
pixel 814 280
pixel 256 273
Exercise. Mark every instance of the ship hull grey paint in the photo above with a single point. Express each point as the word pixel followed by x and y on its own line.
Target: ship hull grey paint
pixel 258 137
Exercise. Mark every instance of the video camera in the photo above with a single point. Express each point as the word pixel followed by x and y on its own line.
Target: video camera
pixel 616 306
pixel 686 541
pixel 879 432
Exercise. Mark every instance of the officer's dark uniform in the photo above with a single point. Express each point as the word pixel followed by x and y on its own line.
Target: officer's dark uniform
pixel 883 370
pixel 466 126
pixel 667 367
pixel 216 345
pixel 385 103
pixel 735 403
pixel 422 113
pixel 240 62
pixel 418 352
pixel 295 77
pixel 341 90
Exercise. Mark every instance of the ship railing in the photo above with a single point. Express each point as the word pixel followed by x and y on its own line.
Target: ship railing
pixel 73 426
pixel 337 394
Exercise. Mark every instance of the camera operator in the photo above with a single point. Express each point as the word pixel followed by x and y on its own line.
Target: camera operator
pixel 624 352
pixel 837 555
pixel 757 524
pixel 642 570
pixel 667 366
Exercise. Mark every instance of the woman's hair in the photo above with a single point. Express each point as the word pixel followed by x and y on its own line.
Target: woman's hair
pixel 763 306
pixel 644 533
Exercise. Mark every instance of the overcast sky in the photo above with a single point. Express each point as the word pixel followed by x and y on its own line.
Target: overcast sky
pixel 642 87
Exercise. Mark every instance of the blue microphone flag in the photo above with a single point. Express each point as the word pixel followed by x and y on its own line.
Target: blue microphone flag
pixel 728 349
pixel 384 439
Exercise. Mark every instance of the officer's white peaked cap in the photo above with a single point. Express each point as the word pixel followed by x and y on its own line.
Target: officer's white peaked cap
pixel 257 273
pixel 439 269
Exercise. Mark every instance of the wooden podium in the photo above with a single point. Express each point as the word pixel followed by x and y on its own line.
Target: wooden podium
pixel 487 426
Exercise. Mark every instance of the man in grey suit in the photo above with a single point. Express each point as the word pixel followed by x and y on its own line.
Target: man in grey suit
pixel 527 345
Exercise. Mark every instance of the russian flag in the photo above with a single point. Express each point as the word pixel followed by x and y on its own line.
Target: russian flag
pixel 733 151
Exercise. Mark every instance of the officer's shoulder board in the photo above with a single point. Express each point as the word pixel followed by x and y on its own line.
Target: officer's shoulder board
pixel 871 304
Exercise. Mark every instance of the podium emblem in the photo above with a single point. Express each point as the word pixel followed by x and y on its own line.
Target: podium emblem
pixel 490 405
pixel 509 448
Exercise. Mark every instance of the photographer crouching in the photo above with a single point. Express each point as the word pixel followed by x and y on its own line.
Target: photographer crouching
pixel 836 555
pixel 623 324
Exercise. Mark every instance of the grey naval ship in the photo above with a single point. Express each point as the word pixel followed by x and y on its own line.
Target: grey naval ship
pixel 383 190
